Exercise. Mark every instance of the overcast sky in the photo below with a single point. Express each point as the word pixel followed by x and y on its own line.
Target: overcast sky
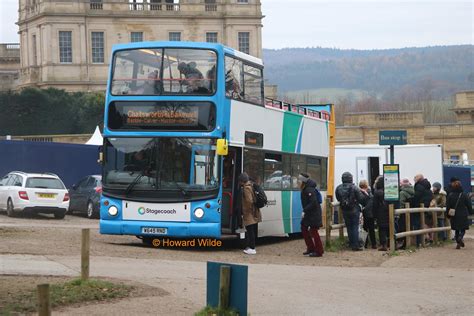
pixel 367 24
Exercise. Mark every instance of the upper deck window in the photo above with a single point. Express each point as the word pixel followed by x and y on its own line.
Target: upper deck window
pixel 244 82
pixel 170 71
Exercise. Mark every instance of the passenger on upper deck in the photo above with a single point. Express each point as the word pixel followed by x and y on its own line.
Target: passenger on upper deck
pixel 194 78
pixel 151 86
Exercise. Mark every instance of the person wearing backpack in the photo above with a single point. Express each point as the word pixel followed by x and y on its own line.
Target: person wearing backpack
pixel 311 219
pixel 349 197
pixel 251 215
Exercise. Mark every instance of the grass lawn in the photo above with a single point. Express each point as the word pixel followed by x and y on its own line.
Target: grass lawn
pixel 20 296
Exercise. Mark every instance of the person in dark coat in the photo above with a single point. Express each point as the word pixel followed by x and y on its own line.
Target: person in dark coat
pixel 423 195
pixel 311 219
pixel 367 212
pixel 349 197
pixel 459 201
pixel 381 213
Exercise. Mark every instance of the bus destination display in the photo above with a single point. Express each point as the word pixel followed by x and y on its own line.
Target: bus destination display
pixel 165 115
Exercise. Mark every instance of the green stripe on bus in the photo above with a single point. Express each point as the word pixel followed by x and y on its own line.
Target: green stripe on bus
pixel 286 211
pixel 291 127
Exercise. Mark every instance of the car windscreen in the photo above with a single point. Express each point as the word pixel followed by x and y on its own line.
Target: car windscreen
pixel 44 183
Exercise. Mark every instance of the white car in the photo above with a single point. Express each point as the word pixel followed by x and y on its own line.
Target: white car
pixel 33 192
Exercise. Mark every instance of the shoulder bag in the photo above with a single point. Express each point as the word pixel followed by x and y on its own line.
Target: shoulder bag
pixel 452 211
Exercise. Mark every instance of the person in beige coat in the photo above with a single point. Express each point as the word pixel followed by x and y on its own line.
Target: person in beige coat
pixel 251 215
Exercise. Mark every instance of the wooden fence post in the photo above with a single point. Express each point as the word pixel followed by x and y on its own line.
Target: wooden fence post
pixel 422 224
pixel 224 287
pixel 44 304
pixel 391 227
pixel 340 220
pixel 407 226
pixel 328 221
pixel 85 254
pixel 435 225
pixel 447 222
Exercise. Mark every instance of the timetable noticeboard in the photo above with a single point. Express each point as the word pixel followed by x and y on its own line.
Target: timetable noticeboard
pixel 391 176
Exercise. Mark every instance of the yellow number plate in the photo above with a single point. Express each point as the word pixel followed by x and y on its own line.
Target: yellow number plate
pixel 46 195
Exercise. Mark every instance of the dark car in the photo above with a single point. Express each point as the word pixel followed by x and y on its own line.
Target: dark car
pixel 85 196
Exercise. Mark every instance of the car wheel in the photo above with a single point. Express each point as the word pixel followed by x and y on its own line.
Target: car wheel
pixel 91 213
pixel 59 214
pixel 10 208
pixel 69 211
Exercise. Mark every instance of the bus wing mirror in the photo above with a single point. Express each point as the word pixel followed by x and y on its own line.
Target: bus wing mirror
pixel 222 147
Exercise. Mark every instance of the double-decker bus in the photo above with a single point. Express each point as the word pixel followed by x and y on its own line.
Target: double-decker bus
pixel 182 121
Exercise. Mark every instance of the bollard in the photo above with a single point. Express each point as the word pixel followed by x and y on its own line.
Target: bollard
pixel 44 304
pixel 224 287
pixel 85 254
pixel 422 224
pixel 328 221
pixel 391 227
pixel 408 239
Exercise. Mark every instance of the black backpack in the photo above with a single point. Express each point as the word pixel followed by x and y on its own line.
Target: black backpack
pixel 348 202
pixel 260 196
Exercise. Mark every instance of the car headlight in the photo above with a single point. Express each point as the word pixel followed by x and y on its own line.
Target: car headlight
pixel 199 212
pixel 113 210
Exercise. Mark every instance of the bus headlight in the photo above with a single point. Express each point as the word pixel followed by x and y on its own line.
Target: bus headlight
pixel 199 212
pixel 113 210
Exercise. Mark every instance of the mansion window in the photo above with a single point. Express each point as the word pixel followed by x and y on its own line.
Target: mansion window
pixel 244 42
pixel 65 47
pixel 97 40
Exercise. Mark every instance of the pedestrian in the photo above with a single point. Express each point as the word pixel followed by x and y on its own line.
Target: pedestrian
pixel 381 213
pixel 407 192
pixel 368 214
pixel 251 215
pixel 439 200
pixel 349 197
pixel 458 208
pixel 311 219
pixel 423 195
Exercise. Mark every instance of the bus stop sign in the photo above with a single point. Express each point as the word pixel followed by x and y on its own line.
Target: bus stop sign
pixel 390 138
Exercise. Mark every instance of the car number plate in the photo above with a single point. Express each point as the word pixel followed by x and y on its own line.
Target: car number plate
pixel 46 195
pixel 154 230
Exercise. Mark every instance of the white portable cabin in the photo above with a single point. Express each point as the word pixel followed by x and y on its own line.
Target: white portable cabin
pixel 365 161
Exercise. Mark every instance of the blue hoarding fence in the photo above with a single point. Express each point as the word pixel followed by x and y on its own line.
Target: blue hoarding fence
pixel 70 162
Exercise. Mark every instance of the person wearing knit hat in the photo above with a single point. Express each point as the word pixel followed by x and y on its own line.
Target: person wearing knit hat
pixel 439 200
pixel 405 181
pixel 311 215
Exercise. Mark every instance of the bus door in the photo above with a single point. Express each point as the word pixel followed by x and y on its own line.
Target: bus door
pixel 230 171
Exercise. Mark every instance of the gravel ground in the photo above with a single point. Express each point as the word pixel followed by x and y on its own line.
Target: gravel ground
pixel 373 273
pixel 47 236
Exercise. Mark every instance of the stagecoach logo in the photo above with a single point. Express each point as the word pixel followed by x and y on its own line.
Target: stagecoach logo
pixel 143 211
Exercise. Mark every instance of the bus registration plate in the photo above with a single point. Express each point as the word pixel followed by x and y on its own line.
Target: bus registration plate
pixel 154 230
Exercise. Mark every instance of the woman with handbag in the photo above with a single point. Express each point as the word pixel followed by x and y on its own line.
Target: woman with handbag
pixel 458 208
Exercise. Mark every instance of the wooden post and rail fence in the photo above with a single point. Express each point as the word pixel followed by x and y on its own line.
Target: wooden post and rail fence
pixel 330 207
pixel 408 233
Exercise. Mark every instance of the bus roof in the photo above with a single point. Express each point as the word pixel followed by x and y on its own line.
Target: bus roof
pixel 179 44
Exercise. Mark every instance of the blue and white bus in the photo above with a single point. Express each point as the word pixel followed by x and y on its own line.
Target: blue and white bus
pixel 182 121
